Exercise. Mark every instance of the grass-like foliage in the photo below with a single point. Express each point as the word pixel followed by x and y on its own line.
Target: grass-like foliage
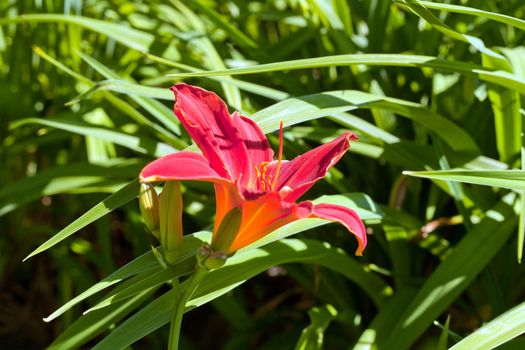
pixel 433 89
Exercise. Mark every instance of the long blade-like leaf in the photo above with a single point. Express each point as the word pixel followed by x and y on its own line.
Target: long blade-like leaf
pixel 119 198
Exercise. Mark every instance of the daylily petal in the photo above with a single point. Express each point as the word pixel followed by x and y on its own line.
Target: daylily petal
pixel 305 170
pixel 226 198
pixel 182 165
pixel 342 215
pixel 259 150
pixel 262 216
pixel 206 118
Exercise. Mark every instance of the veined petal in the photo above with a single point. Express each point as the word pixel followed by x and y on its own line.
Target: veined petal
pixel 182 165
pixel 342 215
pixel 206 118
pixel 261 216
pixel 305 170
pixel 259 150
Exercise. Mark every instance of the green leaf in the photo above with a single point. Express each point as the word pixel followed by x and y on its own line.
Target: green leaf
pixel 138 93
pixel 299 109
pixel 127 36
pixel 66 179
pixel 506 107
pixel 137 143
pixel 153 279
pixel 242 266
pixel 498 17
pixel 312 336
pixel 60 65
pixel 386 318
pixel 511 179
pixel 384 60
pixel 443 338
pixel 224 23
pixel 207 50
pixel 253 261
pixel 395 60
pixel 496 332
pixel 452 276
pixel 88 326
pixel 99 150
pixel 418 8
pixel 156 108
pixel 247 86
pixel 146 262
pixel 351 121
pixel 119 198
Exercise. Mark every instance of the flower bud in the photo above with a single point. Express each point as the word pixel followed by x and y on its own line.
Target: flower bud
pixel 209 259
pixel 203 253
pixel 149 208
pixel 215 260
pixel 227 231
pixel 171 220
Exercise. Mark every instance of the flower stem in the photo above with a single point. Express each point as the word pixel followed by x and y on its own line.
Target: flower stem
pixel 180 304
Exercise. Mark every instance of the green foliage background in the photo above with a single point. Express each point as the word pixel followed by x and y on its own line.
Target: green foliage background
pixel 433 89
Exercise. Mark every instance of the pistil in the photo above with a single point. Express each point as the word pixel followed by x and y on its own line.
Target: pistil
pixel 280 156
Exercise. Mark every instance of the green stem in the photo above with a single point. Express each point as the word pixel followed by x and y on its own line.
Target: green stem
pixel 180 304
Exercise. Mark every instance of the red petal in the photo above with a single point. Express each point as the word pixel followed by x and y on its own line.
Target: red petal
pixel 206 118
pixel 182 165
pixel 342 215
pixel 257 145
pixel 304 171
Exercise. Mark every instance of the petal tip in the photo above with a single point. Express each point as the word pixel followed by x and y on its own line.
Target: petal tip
pixel 177 88
pixel 146 179
pixel 359 251
pixel 351 136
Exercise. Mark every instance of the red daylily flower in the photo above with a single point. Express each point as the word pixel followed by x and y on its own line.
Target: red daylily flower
pixel 238 159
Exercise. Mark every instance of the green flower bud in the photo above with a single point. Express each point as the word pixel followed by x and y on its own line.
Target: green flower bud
pixel 149 208
pixel 209 259
pixel 171 220
pixel 227 231
pixel 203 253
pixel 215 260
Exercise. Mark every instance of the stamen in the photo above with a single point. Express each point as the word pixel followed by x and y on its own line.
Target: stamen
pixel 257 172
pixel 280 156
pixel 263 176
